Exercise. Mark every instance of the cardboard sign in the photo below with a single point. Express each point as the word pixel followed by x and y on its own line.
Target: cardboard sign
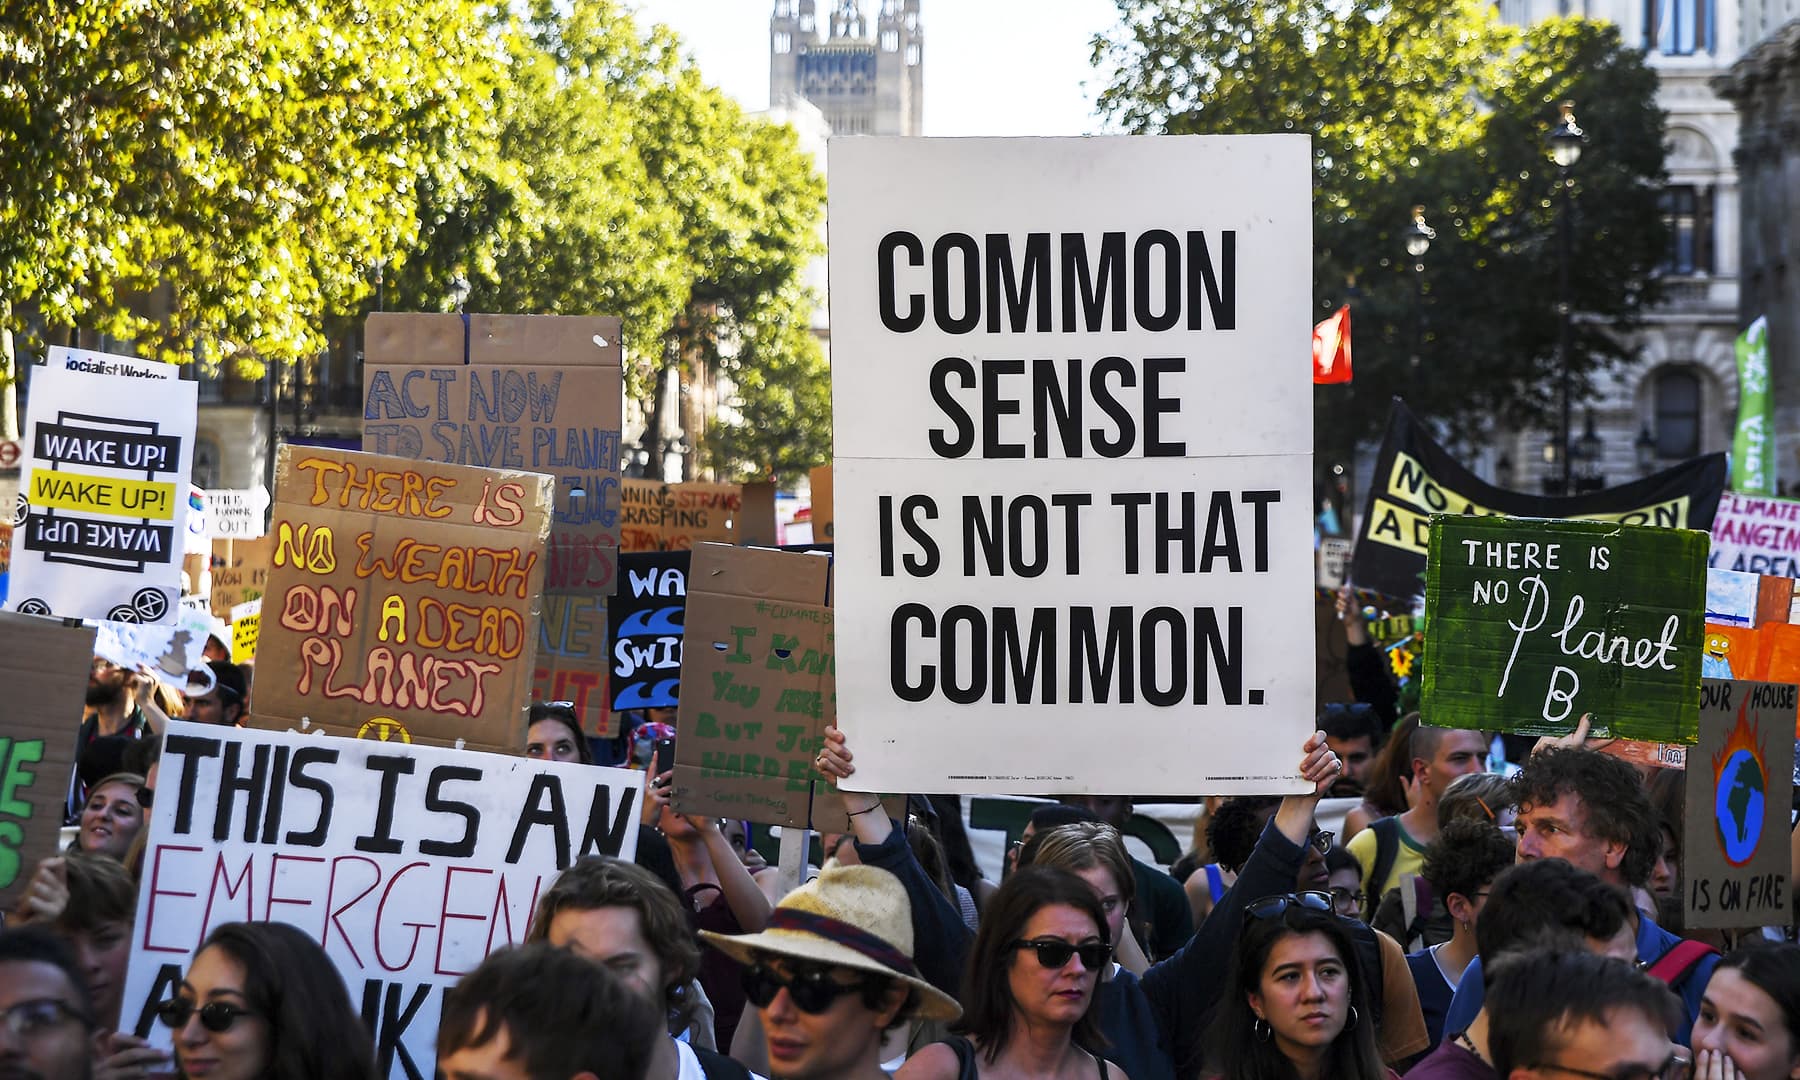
pixel 572 659
pixel 1530 623
pixel 644 630
pixel 761 690
pixel 824 528
pixel 101 520
pixel 675 517
pixel 44 667
pixel 536 393
pixel 1415 477
pixel 1735 857
pixel 755 522
pixel 237 513
pixel 1076 475
pixel 404 598
pixel 1757 535
pixel 240 572
pixel 246 626
pixel 408 864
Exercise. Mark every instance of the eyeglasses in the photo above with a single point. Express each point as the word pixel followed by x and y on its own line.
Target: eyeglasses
pixel 1271 907
pixel 811 989
pixel 1053 953
pixel 1678 1067
pixel 1342 895
pixel 1321 840
pixel 215 1016
pixel 29 1019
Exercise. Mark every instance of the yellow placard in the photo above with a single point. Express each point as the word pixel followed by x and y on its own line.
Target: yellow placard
pixel 56 489
pixel 243 638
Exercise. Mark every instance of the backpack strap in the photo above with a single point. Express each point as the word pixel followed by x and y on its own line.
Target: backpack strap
pixel 966 1068
pixel 1387 849
pixel 1673 966
pixel 1411 907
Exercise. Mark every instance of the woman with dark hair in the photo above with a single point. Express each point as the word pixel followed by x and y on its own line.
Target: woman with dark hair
pixel 1389 791
pixel 1029 986
pixel 553 732
pixel 261 1001
pixel 1297 1006
pixel 1749 1022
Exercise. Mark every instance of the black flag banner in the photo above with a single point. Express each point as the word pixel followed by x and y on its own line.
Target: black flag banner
pixel 1415 477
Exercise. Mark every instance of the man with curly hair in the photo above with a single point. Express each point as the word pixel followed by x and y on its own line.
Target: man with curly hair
pixel 1591 810
pixel 1459 865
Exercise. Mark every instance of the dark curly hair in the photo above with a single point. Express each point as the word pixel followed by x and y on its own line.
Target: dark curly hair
pixel 1465 856
pixel 1613 801
pixel 1233 828
pixel 1548 902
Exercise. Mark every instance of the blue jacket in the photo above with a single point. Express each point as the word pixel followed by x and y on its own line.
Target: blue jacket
pixel 1652 942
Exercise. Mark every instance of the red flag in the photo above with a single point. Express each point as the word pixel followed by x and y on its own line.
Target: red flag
pixel 1331 348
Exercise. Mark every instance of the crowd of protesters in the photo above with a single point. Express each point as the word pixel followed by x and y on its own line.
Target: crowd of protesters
pixel 1468 924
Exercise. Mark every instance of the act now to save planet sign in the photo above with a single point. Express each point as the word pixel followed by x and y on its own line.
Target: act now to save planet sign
pixel 1735 857
pixel 1531 623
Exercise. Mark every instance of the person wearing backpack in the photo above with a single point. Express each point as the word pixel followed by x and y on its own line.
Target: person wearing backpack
pixel 1592 811
pixel 1395 846
pixel 1459 865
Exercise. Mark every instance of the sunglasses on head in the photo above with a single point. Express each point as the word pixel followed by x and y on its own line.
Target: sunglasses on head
pixel 1271 907
pixel 1053 953
pixel 811 989
pixel 215 1016
pixel 1321 840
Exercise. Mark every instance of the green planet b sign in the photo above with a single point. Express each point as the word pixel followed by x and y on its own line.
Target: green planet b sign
pixel 1530 623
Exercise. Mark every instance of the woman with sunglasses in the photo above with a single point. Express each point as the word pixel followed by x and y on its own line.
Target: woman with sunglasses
pixel 261 1001
pixel 1029 988
pixel 832 973
pixel 1298 1007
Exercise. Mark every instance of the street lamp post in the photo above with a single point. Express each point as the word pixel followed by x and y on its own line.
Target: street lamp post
pixel 1565 149
pixel 1418 242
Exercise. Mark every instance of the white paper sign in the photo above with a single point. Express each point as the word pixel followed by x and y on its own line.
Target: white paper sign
pixel 237 513
pixel 1073 406
pixel 1333 558
pixel 1756 535
pixel 409 864
pixel 101 517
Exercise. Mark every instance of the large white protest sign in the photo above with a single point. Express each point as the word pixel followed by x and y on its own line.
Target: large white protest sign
pixel 408 863
pixel 1073 457
pixel 100 522
pixel 1756 535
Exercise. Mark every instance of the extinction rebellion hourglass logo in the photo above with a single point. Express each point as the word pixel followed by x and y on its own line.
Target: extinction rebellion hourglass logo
pixel 1740 780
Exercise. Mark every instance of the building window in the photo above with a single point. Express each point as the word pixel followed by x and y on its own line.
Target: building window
pixel 912 56
pixel 784 41
pixel 1678 27
pixel 1677 414
pixel 1687 219
pixel 206 463
pixel 806 22
pixel 890 40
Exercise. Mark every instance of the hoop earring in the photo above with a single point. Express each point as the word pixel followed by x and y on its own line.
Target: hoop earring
pixel 1261 1029
pixel 1353 1018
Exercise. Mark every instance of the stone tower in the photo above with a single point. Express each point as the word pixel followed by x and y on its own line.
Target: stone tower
pixel 865 83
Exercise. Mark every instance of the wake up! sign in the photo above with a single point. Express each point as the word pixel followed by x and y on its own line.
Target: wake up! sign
pixel 1530 623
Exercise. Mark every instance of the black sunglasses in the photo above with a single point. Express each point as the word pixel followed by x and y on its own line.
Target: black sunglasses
pixel 1271 907
pixel 215 1016
pixel 811 989
pixel 1053 954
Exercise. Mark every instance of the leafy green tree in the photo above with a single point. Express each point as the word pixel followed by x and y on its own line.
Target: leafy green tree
pixel 209 180
pixel 1434 103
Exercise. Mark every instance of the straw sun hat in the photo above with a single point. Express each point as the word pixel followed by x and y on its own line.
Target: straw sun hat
pixel 851 916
